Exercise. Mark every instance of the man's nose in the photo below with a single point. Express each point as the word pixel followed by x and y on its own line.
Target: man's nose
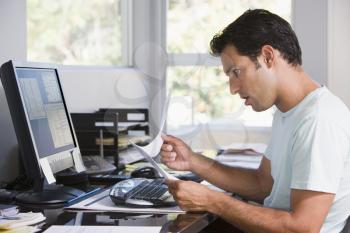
pixel 234 86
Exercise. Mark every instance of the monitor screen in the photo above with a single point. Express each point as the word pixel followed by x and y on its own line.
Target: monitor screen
pixel 46 111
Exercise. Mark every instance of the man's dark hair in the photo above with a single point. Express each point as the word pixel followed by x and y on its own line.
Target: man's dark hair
pixel 254 29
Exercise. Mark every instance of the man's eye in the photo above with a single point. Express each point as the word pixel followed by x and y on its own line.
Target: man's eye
pixel 234 73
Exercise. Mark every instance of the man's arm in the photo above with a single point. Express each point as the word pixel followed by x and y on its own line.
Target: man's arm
pixel 249 183
pixel 308 209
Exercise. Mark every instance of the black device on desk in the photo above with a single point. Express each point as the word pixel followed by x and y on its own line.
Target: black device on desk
pixel 44 130
pixel 145 172
pixel 146 188
pixel 142 192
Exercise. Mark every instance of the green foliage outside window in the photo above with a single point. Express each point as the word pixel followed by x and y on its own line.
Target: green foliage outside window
pixel 191 24
pixel 74 32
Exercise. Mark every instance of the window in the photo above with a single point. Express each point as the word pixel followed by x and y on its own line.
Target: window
pixel 194 78
pixel 75 32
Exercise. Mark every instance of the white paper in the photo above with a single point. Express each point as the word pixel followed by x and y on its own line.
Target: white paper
pixel 135 116
pixel 102 203
pixel 153 148
pixel 145 154
pixel 129 156
pixel 24 219
pixel 103 229
pixel 238 157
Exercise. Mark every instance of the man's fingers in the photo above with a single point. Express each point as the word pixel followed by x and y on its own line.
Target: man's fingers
pixel 171 139
pixel 172 183
pixel 167 157
pixel 167 147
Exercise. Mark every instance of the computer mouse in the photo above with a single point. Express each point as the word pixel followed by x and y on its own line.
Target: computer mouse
pixel 145 172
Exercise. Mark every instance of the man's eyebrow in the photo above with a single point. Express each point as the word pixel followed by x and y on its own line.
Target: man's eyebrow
pixel 228 69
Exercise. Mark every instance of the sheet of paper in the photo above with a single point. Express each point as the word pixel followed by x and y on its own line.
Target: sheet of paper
pixel 145 154
pixel 153 148
pixel 243 164
pixel 258 147
pixel 24 219
pixel 102 202
pixel 129 156
pixel 103 229
pixel 241 158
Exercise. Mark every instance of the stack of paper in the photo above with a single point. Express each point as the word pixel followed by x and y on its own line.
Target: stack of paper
pixel 247 155
pixel 8 210
pixel 21 222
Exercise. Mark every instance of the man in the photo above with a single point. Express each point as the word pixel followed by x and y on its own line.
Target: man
pixel 304 177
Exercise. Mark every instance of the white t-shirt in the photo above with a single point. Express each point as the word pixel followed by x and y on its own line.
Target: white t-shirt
pixel 310 150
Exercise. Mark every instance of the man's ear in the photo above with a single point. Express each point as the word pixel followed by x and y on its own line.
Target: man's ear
pixel 268 55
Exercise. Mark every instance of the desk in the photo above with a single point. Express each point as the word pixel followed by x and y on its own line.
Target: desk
pixel 184 223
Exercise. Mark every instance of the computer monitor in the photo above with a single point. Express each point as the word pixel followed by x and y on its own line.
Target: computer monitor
pixel 42 123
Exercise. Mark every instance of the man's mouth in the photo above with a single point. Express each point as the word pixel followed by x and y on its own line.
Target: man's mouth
pixel 246 98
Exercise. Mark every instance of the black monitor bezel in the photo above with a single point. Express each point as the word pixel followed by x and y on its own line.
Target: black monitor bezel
pixel 22 127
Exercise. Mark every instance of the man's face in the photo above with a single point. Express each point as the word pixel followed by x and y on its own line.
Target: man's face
pixel 257 86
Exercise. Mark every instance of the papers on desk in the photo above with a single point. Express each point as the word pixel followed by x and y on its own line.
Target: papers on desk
pixel 102 203
pixel 21 222
pixel 242 155
pixel 129 156
pixel 242 148
pixel 103 229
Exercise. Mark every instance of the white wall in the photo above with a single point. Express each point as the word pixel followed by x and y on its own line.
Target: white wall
pixel 88 89
pixel 339 48
pixel 310 25
pixel 12 46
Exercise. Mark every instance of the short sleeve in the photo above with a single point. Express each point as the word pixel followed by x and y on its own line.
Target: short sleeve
pixel 319 149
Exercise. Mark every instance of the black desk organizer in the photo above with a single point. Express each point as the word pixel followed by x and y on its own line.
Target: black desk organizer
pixel 97 133
pixel 139 117
pixel 102 126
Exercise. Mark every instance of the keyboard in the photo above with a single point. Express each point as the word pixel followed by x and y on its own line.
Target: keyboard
pixel 141 192
pixel 95 164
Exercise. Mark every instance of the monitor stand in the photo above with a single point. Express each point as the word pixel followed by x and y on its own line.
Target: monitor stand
pixel 52 197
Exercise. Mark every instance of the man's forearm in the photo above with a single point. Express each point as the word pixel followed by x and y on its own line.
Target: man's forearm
pixel 252 218
pixel 244 182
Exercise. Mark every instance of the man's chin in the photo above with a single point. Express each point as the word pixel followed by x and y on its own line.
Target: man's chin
pixel 258 108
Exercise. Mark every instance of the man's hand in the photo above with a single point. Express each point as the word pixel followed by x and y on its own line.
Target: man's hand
pixel 176 154
pixel 191 196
